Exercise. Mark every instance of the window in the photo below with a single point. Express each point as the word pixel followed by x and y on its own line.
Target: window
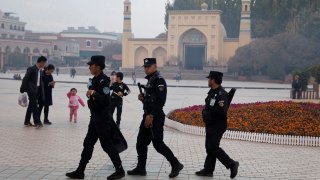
pixel 19 28
pixel 55 48
pixel 2 25
pixel 88 43
pixel 100 44
pixel 246 7
pixel 66 48
pixel 22 28
pixel 10 27
pixel 15 27
pixel 127 8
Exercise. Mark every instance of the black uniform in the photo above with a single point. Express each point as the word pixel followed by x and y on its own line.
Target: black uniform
pixel 100 122
pixel 117 101
pixel 154 100
pixel 215 118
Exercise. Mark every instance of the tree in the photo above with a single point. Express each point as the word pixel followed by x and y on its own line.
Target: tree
pixel 276 56
pixel 111 49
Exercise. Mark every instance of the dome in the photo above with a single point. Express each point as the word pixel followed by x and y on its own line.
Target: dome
pixel 204 6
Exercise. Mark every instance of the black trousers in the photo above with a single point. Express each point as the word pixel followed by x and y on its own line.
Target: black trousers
pixel 154 135
pixel 296 94
pixel 117 104
pixel 99 129
pixel 45 111
pixel 213 138
pixel 32 109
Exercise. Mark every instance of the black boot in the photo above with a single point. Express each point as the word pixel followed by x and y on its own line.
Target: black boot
pixel 118 174
pixel 204 172
pixel 139 170
pixel 79 173
pixel 176 170
pixel 75 175
pixel 234 170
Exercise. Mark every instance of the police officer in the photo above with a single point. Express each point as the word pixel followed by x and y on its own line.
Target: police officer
pixel 151 128
pixel 215 118
pixel 119 89
pixel 99 126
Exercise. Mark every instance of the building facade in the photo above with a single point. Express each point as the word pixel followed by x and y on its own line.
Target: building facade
pixel 11 27
pixel 90 40
pixel 195 39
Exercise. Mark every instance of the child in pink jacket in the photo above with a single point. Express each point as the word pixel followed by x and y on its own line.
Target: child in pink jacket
pixel 74 101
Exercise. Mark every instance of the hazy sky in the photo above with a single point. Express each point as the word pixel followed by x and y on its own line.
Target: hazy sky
pixel 106 15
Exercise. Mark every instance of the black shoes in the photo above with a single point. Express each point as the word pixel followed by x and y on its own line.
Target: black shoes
pixel 28 124
pixel 176 170
pixel 38 126
pixel 117 175
pixel 204 172
pixel 75 175
pixel 234 170
pixel 138 171
pixel 47 122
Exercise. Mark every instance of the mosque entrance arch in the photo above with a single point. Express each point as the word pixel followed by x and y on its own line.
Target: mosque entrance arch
pixel 193 49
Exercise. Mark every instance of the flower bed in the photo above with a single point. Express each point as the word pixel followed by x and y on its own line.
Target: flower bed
pixel 283 118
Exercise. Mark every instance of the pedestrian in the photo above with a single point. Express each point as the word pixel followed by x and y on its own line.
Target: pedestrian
pixel 57 71
pixel 151 128
pixel 134 79
pixel 33 85
pixel 113 77
pixel 296 88
pixel 100 121
pixel 74 101
pixel 48 84
pixel 215 118
pixel 74 72
pixel 119 90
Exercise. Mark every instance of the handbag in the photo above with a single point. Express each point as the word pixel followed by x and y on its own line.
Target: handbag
pixel 23 100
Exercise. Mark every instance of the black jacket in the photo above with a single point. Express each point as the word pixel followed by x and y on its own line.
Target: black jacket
pixel 47 89
pixel 119 87
pixel 216 108
pixel 155 94
pixel 99 103
pixel 29 81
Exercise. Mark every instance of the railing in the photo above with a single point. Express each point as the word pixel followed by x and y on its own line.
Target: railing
pixel 309 94
pixel 248 136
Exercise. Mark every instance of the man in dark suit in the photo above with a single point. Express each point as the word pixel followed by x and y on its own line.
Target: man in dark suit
pixel 33 85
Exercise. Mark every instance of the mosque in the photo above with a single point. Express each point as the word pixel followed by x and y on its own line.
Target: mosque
pixel 195 39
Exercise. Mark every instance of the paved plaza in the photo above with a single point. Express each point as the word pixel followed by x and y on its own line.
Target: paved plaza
pixel 49 152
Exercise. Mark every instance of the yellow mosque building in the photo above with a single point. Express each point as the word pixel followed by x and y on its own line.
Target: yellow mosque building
pixel 195 39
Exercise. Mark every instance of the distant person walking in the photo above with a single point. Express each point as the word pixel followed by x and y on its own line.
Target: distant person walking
pixel 73 72
pixel 57 71
pixel 134 78
pixel 74 101
pixel 296 88
pixel 33 85
pixel 48 84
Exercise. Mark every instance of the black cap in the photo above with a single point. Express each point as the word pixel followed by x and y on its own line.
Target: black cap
pixel 120 75
pixel 216 76
pixel 98 60
pixel 149 61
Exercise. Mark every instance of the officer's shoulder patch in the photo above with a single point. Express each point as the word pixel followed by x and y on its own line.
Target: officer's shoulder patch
pixel 106 90
pixel 221 103
pixel 161 87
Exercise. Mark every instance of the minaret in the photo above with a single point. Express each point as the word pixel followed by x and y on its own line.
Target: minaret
pixel 245 24
pixel 126 34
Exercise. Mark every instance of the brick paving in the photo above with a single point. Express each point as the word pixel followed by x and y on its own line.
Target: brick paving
pixel 49 152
